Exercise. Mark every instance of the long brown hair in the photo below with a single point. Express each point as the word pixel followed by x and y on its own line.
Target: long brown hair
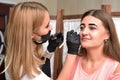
pixel 112 47
pixel 20 54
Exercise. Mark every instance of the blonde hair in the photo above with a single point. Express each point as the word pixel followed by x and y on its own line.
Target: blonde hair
pixel 25 18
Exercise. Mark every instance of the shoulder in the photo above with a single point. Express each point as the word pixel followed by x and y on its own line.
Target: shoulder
pixel 114 65
pixel 117 70
pixel 41 76
pixel 116 74
pixel 68 67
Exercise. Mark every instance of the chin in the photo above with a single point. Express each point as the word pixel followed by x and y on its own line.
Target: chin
pixel 86 46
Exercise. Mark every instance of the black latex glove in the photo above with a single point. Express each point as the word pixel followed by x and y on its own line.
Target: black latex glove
pixel 73 42
pixel 55 41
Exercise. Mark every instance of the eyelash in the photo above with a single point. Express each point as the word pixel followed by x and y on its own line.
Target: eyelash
pixel 47 26
pixel 90 27
pixel 81 28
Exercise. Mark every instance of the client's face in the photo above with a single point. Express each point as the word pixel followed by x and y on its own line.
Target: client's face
pixel 92 33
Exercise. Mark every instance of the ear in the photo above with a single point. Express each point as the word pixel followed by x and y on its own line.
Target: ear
pixel 107 35
pixel 32 35
pixel 36 36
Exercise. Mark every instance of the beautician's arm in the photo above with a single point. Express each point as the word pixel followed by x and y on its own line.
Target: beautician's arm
pixel 68 68
pixel 73 43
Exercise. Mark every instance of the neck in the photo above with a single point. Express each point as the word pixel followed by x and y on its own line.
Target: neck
pixel 93 60
pixel 95 55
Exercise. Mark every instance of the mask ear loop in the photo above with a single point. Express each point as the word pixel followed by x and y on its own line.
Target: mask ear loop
pixel 44 38
pixel 36 41
pixel 37 34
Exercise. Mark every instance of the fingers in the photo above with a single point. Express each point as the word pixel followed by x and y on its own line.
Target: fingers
pixel 57 36
pixel 73 37
pixel 71 33
pixel 62 44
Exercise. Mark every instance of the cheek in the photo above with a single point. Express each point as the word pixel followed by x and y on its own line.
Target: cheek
pixel 80 34
pixel 43 31
pixel 36 37
pixel 98 37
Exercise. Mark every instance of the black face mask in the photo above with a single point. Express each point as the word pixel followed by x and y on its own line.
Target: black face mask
pixel 44 38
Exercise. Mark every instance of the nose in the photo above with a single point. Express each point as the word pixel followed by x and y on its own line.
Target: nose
pixel 84 31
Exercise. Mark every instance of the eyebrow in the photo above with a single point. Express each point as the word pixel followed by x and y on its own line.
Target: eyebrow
pixel 89 24
pixel 82 24
pixel 47 24
pixel 93 24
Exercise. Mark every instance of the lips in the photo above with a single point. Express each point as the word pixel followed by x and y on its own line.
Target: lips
pixel 85 39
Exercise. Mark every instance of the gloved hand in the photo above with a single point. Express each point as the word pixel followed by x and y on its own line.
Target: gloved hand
pixel 55 41
pixel 73 42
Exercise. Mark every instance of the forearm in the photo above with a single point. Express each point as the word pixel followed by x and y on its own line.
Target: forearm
pixel 68 68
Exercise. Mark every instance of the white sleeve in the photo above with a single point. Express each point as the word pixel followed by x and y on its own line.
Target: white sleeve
pixel 7 77
pixel 41 76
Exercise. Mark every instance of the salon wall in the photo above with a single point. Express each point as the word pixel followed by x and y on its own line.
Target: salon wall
pixel 80 6
pixel 72 6
pixel 50 4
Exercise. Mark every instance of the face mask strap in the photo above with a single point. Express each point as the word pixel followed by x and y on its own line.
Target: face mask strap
pixel 44 38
